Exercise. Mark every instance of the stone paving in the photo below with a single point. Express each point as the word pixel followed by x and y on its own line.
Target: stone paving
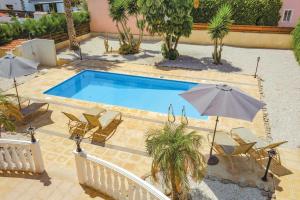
pixel 278 69
pixel 125 147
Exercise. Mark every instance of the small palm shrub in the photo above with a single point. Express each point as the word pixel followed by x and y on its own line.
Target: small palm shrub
pixel 296 41
pixel 120 11
pixel 218 28
pixel 176 156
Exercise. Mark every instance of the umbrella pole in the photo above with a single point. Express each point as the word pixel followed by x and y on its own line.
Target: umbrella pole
pixel 213 160
pixel 15 82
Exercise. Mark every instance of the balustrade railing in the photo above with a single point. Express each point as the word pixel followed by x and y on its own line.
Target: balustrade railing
pixel 112 180
pixel 21 155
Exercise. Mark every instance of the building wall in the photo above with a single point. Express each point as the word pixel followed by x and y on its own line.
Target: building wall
pixel 293 5
pixel 60 8
pixel 16 4
pixel 28 6
pixel 100 19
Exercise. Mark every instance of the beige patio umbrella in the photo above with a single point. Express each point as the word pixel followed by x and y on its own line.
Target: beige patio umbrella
pixel 12 66
pixel 222 100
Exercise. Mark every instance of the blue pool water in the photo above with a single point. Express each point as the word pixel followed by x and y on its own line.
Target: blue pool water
pixel 136 92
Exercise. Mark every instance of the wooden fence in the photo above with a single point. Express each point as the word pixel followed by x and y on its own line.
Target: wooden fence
pixel 63 36
pixel 249 28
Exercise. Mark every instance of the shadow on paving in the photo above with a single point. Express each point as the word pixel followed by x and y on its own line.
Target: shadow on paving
pixel 93 193
pixel 43 177
pixel 144 54
pixel 39 120
pixel 205 63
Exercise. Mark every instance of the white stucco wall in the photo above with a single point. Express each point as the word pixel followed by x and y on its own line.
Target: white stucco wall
pixel 39 50
pixel 60 8
pixel 28 6
pixel 16 4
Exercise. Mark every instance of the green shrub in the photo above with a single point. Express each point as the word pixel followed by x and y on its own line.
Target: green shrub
pixel 5 33
pixel 16 28
pixel 296 41
pixel 53 23
pixel 170 19
pixel 245 12
pixel 81 18
pixel 30 28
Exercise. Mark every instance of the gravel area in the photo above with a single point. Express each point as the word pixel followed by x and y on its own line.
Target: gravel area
pixel 278 69
pixel 214 190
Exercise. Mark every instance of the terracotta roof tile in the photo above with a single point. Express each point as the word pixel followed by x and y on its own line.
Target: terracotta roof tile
pixel 13 44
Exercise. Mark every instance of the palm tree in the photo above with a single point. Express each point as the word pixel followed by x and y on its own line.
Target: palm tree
pixel 218 29
pixel 70 25
pixel 120 11
pixel 7 110
pixel 176 156
pixel 196 3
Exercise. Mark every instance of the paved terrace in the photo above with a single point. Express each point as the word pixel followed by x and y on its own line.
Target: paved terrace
pixel 278 69
pixel 125 142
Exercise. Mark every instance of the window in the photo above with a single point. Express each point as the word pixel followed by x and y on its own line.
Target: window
pixel 9 6
pixel 39 7
pixel 53 7
pixel 287 15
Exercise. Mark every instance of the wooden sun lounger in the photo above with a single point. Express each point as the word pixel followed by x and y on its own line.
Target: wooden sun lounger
pixel 259 150
pixel 102 122
pixel 29 111
pixel 226 146
pixel 79 125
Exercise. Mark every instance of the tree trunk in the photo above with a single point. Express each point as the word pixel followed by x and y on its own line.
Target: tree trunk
pixel 70 25
pixel 176 43
pixel 215 53
pixel 141 33
pixel 220 52
pixel 175 193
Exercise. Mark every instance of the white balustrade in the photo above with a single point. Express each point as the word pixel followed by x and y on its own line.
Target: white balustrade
pixel 113 180
pixel 21 155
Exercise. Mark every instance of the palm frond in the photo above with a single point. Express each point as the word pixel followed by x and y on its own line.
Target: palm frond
pixel 219 26
pixel 175 152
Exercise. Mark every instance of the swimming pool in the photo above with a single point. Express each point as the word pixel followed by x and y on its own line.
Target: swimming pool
pixel 151 94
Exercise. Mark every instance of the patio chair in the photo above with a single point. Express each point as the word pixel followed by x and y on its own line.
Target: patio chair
pixel 28 109
pixel 103 122
pixel 32 109
pixel 260 150
pixel 80 125
pixel 242 149
pixel 76 125
pixel 226 146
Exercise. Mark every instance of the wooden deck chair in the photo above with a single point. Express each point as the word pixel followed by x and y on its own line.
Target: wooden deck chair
pixel 26 113
pixel 33 108
pixel 260 150
pixel 242 149
pixel 76 125
pixel 262 153
pixel 103 122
